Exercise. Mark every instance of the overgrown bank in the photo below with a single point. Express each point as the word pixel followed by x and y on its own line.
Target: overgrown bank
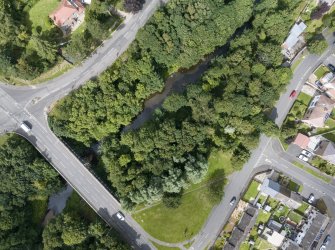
pixel 225 110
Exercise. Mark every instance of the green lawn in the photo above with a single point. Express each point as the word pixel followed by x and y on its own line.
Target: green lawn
pixel 294 216
pixel 175 225
pixel 262 199
pixel 294 186
pixel 39 209
pixel 321 71
pixel 272 202
pixel 313 172
pixel 252 191
pixel 304 98
pixel 159 247
pixel 263 217
pixel 39 14
pixel 245 246
pixel 304 206
pixel 261 244
pixel 280 212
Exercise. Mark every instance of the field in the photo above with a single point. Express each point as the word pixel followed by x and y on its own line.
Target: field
pixel 39 14
pixel 175 225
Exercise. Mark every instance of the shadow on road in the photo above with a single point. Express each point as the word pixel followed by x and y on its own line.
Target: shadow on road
pixel 126 231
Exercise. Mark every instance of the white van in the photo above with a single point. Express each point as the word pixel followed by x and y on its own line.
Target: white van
pixel 25 127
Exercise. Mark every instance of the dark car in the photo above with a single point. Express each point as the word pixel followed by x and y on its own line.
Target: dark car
pixel 331 67
pixel 327 240
pixel 319 84
pixel 232 201
pixel 293 94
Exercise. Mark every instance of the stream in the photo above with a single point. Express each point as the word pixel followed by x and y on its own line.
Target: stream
pixel 177 82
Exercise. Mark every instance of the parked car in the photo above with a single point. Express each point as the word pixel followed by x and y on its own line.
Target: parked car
pixel 293 94
pixel 319 84
pixel 307 153
pixel 120 216
pixel 331 67
pixel 323 247
pixel 303 157
pixel 232 201
pixel 327 240
pixel 311 198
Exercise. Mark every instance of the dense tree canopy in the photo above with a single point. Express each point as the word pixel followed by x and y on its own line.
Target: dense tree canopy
pixel 24 177
pixel 225 109
pixel 168 42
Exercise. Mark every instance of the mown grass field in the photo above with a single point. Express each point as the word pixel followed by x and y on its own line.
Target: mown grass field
pixel 175 225
pixel 39 14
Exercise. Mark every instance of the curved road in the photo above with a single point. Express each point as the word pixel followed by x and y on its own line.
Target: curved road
pixel 30 103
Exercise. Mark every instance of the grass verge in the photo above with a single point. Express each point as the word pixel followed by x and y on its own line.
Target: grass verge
pixel 252 191
pixel 39 14
pixel 313 172
pixel 160 247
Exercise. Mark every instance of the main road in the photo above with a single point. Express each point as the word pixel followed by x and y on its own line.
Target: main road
pixel 31 103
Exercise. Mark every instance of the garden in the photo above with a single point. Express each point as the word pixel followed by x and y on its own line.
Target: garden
pixel 252 191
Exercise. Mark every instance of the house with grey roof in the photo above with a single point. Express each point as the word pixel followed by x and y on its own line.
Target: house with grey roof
pixel 281 193
pixel 326 150
pixel 295 41
pixel 318 111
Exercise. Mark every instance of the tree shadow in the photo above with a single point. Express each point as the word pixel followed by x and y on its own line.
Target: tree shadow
pixel 125 230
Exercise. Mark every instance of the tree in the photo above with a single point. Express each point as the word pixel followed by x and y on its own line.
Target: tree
pixel 133 5
pixel 172 200
pixel 317 45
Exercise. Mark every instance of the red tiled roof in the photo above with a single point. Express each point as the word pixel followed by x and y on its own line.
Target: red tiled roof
pixel 302 141
pixel 65 11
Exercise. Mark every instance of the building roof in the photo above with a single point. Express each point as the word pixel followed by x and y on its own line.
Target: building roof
pixel 318 111
pixel 235 237
pixel 65 11
pixel 301 141
pixel 251 211
pixel 327 151
pixel 244 222
pixel 229 246
pixel 276 226
pixel 327 78
pixel 273 237
pixel 295 32
pixel 313 226
pixel 314 142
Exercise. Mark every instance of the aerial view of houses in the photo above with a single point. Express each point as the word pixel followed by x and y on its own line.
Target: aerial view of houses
pixel 274 215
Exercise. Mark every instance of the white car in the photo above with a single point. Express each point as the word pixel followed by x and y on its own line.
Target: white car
pixel 311 198
pixel 303 157
pixel 120 216
pixel 232 201
pixel 307 153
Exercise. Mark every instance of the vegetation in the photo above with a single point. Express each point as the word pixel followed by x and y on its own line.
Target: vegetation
pixel 323 165
pixel 295 217
pixel 80 228
pixel 225 110
pixel 29 40
pixel 314 172
pixel 263 217
pixel 252 191
pixel 133 5
pixel 302 209
pixel 26 182
pixel 317 44
pixel 321 71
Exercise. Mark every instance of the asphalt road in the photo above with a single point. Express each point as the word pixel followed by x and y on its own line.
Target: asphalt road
pixel 30 103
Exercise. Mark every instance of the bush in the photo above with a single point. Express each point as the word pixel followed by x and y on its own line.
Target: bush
pixel 172 200
pixel 317 44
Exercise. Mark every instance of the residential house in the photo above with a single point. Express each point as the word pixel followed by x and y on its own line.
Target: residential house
pixel 307 143
pixel 69 15
pixel 295 41
pixel 273 237
pixel 326 150
pixel 329 88
pixel 283 194
pixel 318 111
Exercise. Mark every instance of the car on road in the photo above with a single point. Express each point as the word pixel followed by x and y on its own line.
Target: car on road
pixel 293 94
pixel 303 157
pixel 327 240
pixel 331 67
pixel 306 153
pixel 232 201
pixel 323 247
pixel 25 126
pixel 311 198
pixel 120 216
